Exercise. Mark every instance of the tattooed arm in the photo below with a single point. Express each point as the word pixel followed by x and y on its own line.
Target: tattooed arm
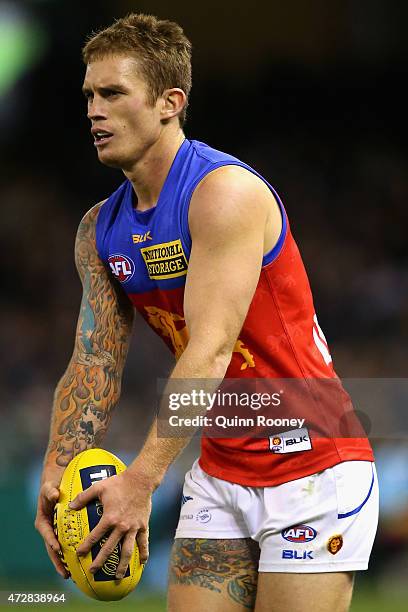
pixel 90 388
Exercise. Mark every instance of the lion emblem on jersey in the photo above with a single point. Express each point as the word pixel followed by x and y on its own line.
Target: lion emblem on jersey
pixel 173 326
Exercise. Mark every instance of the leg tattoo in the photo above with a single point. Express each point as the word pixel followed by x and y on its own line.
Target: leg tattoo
pixel 217 565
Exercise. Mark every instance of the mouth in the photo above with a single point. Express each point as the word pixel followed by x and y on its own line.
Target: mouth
pixel 101 137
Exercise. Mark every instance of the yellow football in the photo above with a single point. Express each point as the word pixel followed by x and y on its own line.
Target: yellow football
pixel 72 527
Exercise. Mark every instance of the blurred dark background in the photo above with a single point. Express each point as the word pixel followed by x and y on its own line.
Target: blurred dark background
pixel 311 94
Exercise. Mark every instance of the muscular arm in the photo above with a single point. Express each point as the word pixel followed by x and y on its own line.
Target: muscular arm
pixel 233 221
pixel 90 388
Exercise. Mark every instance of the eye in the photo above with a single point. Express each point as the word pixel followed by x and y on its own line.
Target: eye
pixel 109 93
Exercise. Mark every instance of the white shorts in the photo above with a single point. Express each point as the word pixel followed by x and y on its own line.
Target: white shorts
pixel 325 522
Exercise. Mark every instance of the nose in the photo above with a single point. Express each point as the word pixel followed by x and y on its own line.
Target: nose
pixel 96 109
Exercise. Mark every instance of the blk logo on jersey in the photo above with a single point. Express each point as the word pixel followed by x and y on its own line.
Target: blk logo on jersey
pixel 292 441
pixel 299 534
pixel 122 267
pixel 138 238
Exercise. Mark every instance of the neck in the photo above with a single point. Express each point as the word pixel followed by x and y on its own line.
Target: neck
pixel 148 174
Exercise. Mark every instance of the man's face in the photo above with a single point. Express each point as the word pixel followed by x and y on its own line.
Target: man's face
pixel 124 124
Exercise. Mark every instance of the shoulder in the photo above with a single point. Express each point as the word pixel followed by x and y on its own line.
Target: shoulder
pixel 228 195
pixel 85 244
pixel 87 224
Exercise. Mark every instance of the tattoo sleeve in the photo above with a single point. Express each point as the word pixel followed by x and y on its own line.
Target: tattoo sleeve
pixel 90 388
pixel 229 566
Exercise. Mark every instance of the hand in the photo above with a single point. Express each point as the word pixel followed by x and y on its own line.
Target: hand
pixel 48 497
pixel 126 510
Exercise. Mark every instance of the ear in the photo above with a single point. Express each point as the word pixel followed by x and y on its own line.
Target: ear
pixel 173 102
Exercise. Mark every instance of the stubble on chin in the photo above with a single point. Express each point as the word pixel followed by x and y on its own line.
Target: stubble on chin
pixel 110 160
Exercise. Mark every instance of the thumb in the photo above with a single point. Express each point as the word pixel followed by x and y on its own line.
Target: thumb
pixel 49 496
pixel 83 498
pixel 52 494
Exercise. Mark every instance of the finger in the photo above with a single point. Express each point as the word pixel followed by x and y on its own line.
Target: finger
pixel 142 539
pixel 128 545
pixel 93 538
pixel 107 549
pixel 83 498
pixel 56 561
pixel 47 532
pixel 51 493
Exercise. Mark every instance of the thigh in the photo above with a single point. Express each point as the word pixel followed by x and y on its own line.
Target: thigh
pixel 213 575
pixel 330 592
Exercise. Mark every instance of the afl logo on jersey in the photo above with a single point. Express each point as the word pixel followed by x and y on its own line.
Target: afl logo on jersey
pixel 122 267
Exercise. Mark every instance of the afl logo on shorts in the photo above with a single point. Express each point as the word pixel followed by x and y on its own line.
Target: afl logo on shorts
pixel 299 534
pixel 122 267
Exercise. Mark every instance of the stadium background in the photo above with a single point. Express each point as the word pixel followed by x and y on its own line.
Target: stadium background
pixel 308 92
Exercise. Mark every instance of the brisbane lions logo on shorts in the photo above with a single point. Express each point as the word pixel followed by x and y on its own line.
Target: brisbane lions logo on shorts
pixel 122 267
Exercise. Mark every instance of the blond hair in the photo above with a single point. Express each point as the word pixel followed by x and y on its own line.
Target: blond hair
pixel 161 48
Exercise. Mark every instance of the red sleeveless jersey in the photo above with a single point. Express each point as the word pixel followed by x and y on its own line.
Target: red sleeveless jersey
pixel 285 341
pixel 148 253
